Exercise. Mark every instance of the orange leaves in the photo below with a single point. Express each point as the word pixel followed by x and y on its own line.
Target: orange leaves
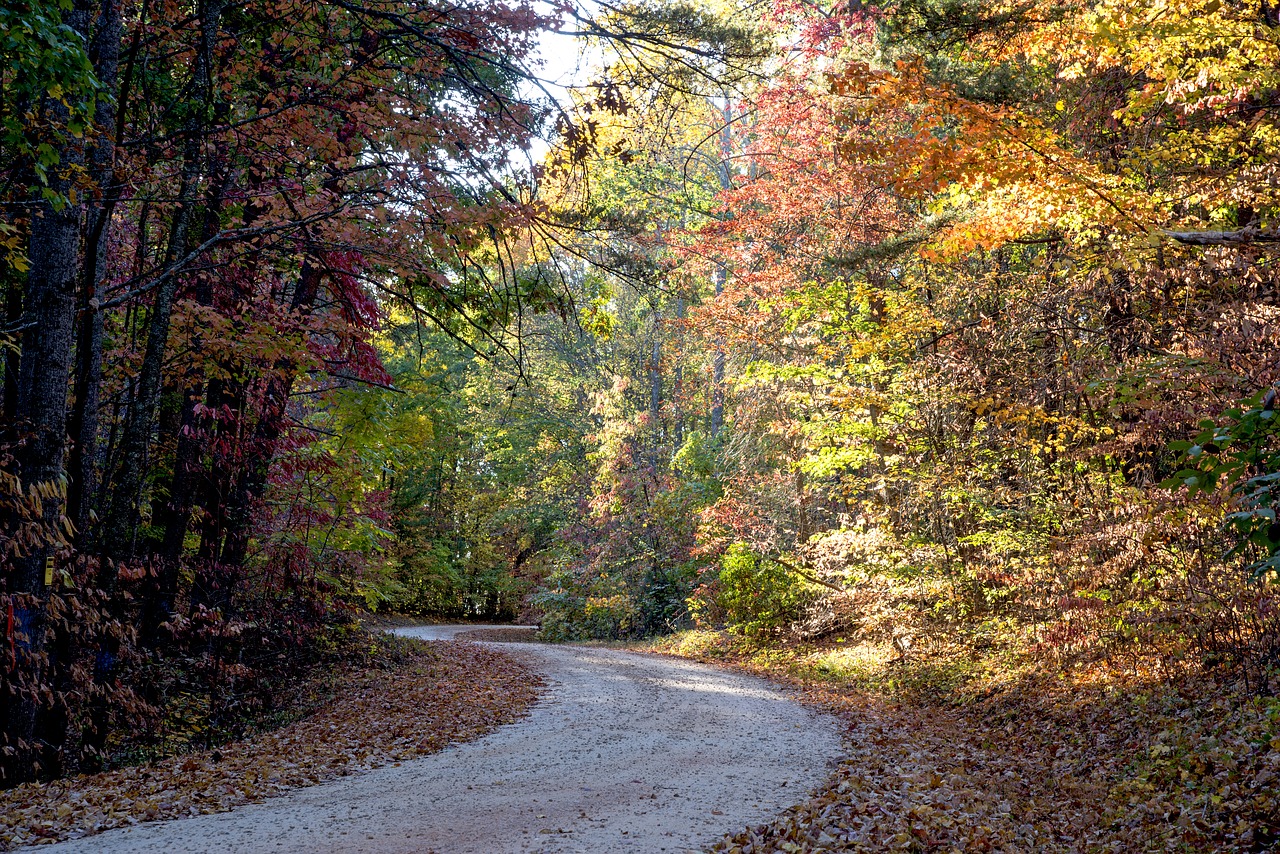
pixel 991 169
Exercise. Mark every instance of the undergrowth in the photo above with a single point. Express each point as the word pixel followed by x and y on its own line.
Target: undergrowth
pixel 190 714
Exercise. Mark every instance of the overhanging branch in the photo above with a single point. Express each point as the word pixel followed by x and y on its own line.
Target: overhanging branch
pixel 810 576
pixel 1238 237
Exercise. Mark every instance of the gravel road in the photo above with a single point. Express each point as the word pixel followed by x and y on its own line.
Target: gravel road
pixel 626 753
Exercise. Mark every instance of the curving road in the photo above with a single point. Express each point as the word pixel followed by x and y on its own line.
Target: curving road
pixel 626 753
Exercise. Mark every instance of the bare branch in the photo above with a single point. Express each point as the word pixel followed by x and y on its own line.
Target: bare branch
pixel 1239 237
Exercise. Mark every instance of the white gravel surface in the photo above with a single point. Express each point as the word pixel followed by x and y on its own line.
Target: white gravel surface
pixel 625 753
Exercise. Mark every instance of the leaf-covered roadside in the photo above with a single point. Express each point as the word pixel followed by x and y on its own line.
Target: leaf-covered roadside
pixel 511 635
pixel 1093 760
pixel 409 699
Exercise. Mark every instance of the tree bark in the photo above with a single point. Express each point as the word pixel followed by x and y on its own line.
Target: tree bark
pixel 677 391
pixel 717 362
pixel 40 412
pixel 721 274
pixel 251 485
pixel 174 515
pixel 120 532
pixel 655 388
pixel 12 357
pixel 104 52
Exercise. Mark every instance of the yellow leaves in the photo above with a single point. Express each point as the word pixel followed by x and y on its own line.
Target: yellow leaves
pixel 1015 176
pixel 49 489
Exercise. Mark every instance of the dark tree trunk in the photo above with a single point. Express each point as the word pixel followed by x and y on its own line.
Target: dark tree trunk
pixel 717 363
pixel 40 414
pixel 721 274
pixel 174 515
pixel 120 532
pixel 251 485
pixel 12 358
pixel 104 51
pixel 655 391
pixel 677 390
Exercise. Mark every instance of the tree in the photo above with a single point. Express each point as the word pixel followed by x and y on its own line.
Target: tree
pixel 212 237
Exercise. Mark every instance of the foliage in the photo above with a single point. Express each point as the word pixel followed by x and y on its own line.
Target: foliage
pixel 228 203
pixel 759 596
pixel 1241 455
pixel 1008 757
pixel 627 565
pixel 45 62
pixel 926 325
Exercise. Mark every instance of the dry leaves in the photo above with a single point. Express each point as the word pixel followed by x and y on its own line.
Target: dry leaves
pixel 416 701
pixel 522 634
pixel 1098 761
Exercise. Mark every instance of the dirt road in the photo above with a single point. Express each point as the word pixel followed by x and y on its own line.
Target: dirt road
pixel 626 753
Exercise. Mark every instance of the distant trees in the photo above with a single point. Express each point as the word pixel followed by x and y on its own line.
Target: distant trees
pixel 981 267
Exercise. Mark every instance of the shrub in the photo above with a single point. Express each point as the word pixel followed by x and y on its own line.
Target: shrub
pixel 760 597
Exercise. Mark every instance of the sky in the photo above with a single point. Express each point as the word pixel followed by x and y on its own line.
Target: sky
pixel 566 62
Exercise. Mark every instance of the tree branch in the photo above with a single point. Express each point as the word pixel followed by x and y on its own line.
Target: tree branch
pixel 809 576
pixel 1241 236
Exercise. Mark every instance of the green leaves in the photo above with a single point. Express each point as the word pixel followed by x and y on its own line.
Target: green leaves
pixel 42 58
pixel 1240 454
pixel 760 597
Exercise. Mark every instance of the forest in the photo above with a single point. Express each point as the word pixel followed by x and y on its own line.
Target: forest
pixel 927 346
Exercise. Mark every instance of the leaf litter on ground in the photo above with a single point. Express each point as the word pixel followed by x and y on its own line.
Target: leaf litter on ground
pixel 409 700
pixel 1095 760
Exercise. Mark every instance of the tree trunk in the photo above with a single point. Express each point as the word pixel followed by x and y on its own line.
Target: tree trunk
pixel 40 413
pixel 717 363
pixel 174 515
pixel 12 357
pixel 120 532
pixel 104 51
pixel 655 390
pixel 721 274
pixel 677 390
pixel 251 485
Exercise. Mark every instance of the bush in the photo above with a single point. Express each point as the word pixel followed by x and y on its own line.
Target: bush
pixel 760 597
pixel 575 609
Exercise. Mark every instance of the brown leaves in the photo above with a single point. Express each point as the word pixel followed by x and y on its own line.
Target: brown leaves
pixel 1094 760
pixel 412 700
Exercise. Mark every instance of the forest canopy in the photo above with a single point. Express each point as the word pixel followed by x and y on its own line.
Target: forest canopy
pixel 935 319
